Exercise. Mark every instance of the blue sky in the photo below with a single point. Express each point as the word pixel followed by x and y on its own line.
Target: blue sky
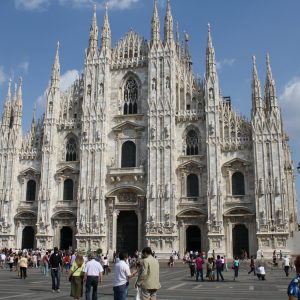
pixel 30 29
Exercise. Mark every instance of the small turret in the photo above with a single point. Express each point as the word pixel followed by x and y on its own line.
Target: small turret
pixel 169 37
pixel 155 25
pixel 256 91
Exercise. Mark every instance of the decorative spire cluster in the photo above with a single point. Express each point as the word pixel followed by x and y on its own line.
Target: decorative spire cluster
pixel 93 40
pixel 155 25
pixel 270 88
pixel 106 32
pixel 256 90
pixel 55 77
pixel 169 37
pixel 211 70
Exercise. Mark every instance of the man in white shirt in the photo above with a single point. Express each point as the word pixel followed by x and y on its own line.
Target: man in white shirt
pixel 286 265
pixel 92 274
pixel 122 275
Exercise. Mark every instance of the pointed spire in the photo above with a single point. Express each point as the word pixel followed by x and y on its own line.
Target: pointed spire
pixel 7 107
pixel 270 88
pixel 155 25
pixel 256 91
pixel 8 94
pixel 168 24
pixel 210 57
pixel 55 77
pixel 93 40
pixel 106 33
pixel 33 123
pixel 19 96
pixel 15 98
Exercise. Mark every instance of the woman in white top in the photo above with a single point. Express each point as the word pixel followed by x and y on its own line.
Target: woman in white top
pixel 261 273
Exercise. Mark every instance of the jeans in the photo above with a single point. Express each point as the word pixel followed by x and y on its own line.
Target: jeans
pixel 199 272
pixel 45 269
pixel 236 271
pixel 91 282
pixel 23 272
pixel 120 292
pixel 219 273
pixel 55 275
pixel 148 294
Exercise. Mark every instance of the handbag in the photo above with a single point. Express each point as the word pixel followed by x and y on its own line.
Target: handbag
pixel 70 277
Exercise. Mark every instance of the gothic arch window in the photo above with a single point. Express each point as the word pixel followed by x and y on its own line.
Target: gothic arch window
pixel 128 155
pixel 71 149
pixel 192 185
pixel 192 143
pixel 68 189
pixel 238 184
pixel 31 190
pixel 130 97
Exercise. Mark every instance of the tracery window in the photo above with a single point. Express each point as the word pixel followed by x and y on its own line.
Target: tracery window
pixel 192 143
pixel 130 97
pixel 128 155
pixel 31 190
pixel 192 184
pixel 71 150
pixel 238 184
pixel 68 189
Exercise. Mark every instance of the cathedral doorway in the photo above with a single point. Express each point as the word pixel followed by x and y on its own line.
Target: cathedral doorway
pixel 127 232
pixel 193 238
pixel 240 239
pixel 28 237
pixel 66 238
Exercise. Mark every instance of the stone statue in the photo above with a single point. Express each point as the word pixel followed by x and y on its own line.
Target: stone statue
pixel 83 194
pixel 261 189
pixel 167 190
pixel 277 188
pixel 153 133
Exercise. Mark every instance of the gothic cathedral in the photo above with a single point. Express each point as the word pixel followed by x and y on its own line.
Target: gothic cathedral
pixel 139 151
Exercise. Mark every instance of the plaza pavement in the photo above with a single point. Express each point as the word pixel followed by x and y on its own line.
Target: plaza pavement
pixel 176 284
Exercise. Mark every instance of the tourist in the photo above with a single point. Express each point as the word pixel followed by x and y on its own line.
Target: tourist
pixel 261 273
pixel 122 275
pixel 45 261
pixel 11 262
pixel 67 262
pixel 235 267
pixel 252 266
pixel 171 261
pixel 199 267
pixel 92 275
pixel 23 263
pixel 55 262
pixel 294 286
pixel 148 279
pixel 225 263
pixel 75 275
pixel 209 267
pixel 219 268
pixel 105 264
pixel 286 265
pixel 192 265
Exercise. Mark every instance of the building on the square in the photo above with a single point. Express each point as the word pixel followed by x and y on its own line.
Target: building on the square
pixel 140 151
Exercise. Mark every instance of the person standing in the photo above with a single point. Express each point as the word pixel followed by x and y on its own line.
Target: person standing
pixel 235 266
pixel 55 262
pixel 286 265
pixel 148 279
pixel 252 266
pixel 293 290
pixel 199 267
pixel 122 275
pixel 192 264
pixel 76 277
pixel 45 260
pixel 23 263
pixel 219 268
pixel 92 275
pixel 261 272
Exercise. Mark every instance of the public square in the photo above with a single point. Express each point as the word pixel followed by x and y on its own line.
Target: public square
pixel 176 284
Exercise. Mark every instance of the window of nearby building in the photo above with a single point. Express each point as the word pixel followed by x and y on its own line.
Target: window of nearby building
pixel 192 184
pixel 238 184
pixel 31 190
pixel 68 189
pixel 128 155
pixel 71 150
pixel 130 97
pixel 192 143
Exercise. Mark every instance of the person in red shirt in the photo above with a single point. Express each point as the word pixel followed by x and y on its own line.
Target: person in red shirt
pixel 199 267
pixel 67 261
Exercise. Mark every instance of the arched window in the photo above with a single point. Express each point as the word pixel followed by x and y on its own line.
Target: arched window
pixel 192 143
pixel 31 190
pixel 71 148
pixel 128 155
pixel 130 97
pixel 238 184
pixel 192 184
pixel 68 189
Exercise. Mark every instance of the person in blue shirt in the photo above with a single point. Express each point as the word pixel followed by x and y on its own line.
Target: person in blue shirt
pixel 294 286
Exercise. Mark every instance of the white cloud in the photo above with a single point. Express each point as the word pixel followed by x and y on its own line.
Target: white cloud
pixel 42 100
pixel 77 3
pixel 32 5
pixel 225 62
pixel 121 4
pixel 290 106
pixel 3 76
pixel 24 66
pixel 67 79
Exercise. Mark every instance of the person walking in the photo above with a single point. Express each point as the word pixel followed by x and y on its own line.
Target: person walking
pixel 23 263
pixel 92 275
pixel 122 276
pixel 148 279
pixel 199 267
pixel 45 261
pixel 261 272
pixel 286 265
pixel 235 267
pixel 192 264
pixel 293 290
pixel 219 268
pixel 55 262
pixel 252 266
pixel 75 274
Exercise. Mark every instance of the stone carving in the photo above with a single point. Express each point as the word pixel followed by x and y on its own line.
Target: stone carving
pixel 261 189
pixel 168 192
pixel 152 132
pixel 127 197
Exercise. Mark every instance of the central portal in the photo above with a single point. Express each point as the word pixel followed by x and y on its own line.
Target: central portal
pixel 127 232
pixel 193 238
pixel 240 238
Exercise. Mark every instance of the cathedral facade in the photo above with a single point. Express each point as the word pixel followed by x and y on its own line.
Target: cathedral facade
pixel 139 151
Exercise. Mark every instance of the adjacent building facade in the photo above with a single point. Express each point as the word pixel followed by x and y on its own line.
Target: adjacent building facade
pixel 140 152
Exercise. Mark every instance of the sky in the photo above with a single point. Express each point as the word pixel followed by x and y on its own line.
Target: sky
pixel 30 29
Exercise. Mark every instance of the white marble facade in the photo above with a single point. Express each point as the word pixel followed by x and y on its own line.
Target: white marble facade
pixel 140 150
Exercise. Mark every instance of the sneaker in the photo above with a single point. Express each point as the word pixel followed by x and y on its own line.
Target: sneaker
pixel 58 290
pixel 53 291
